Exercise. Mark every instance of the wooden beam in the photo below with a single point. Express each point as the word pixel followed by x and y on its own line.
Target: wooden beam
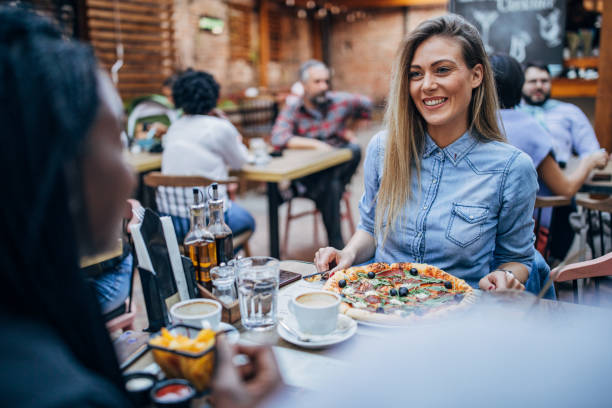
pixel 603 104
pixel 317 39
pixel 361 4
pixel 264 41
pixel 389 3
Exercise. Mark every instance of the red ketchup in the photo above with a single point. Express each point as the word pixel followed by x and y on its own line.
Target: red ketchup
pixel 173 393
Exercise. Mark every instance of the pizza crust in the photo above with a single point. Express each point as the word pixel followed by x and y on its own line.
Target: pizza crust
pixel 365 315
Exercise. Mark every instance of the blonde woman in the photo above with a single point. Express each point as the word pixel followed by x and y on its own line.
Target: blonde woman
pixel 441 184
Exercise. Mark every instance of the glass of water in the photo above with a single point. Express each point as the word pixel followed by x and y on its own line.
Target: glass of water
pixel 257 279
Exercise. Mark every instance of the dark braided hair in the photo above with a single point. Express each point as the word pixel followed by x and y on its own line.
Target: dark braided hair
pixel 196 92
pixel 48 103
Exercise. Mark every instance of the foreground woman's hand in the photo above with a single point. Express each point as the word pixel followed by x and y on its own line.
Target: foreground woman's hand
pixel 328 257
pixel 247 385
pixel 498 280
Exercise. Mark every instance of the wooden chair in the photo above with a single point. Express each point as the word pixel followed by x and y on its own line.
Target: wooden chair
pixel 594 210
pixel 595 268
pixel 122 318
pixel 346 215
pixel 178 192
pixel 540 204
pixel 254 117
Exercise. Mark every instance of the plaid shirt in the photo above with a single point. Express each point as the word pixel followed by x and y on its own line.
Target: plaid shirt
pixel 328 124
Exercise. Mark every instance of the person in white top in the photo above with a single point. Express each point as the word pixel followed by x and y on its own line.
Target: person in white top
pixel 202 143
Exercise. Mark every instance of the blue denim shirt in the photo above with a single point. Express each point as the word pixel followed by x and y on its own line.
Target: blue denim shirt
pixel 473 210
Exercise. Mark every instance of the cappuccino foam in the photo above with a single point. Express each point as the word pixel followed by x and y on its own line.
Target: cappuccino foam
pixel 316 299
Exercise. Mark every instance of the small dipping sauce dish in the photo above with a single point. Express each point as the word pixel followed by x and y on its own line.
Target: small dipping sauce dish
pixel 138 385
pixel 174 393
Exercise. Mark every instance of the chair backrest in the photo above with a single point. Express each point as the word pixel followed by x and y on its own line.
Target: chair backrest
pixel 597 267
pixel 552 201
pixel 541 243
pixel 597 222
pixel 173 196
pixel 254 117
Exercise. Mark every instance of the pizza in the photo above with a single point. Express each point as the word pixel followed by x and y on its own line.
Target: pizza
pixel 398 293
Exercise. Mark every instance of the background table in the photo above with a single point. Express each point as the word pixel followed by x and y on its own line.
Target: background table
pixel 144 161
pixel 599 187
pixel 292 165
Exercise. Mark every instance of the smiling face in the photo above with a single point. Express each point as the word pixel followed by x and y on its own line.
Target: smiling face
pixel 536 89
pixel 441 87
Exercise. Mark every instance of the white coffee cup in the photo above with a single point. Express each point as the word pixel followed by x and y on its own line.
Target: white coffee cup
pixel 316 312
pixel 197 312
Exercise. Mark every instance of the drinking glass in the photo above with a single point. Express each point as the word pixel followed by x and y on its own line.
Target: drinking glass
pixel 223 280
pixel 257 278
pixel 260 151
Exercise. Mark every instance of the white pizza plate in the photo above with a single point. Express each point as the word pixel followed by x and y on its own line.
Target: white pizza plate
pixel 381 325
pixel 345 329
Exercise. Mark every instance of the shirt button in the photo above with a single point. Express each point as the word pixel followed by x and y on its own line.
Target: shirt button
pixel 434 180
pixel 424 207
pixel 471 217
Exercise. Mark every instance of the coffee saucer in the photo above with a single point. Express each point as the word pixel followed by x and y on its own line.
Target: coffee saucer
pixel 345 329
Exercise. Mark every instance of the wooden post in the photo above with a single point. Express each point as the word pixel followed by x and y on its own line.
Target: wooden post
pixel 264 42
pixel 317 39
pixel 603 104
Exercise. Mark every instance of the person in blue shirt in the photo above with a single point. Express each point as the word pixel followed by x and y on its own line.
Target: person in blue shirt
pixel 525 132
pixel 441 184
pixel 569 127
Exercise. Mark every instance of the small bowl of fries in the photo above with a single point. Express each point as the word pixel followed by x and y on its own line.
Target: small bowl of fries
pixel 184 351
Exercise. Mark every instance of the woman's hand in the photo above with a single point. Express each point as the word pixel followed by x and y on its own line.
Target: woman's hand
pixel 498 280
pixel 328 257
pixel 247 385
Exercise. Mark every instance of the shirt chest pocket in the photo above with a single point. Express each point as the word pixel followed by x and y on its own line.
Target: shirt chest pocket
pixel 466 222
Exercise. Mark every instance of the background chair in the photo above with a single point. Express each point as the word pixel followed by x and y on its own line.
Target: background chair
pixel 595 268
pixel 344 215
pixel 598 222
pixel 177 192
pixel 544 236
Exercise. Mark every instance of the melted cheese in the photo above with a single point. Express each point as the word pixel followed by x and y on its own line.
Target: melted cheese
pixel 348 290
pixel 422 295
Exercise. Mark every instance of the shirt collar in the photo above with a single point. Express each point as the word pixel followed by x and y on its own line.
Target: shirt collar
pixel 455 151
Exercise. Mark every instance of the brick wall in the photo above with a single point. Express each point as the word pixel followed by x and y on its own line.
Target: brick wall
pixel 362 52
pixel 209 52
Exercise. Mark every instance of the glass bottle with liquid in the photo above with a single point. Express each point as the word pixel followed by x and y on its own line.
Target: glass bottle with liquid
pixel 218 227
pixel 199 243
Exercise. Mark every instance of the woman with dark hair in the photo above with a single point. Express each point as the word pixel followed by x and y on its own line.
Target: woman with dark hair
pixel 441 185
pixel 526 133
pixel 203 143
pixel 65 186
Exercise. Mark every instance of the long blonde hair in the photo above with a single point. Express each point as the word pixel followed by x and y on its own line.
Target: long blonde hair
pixel 405 125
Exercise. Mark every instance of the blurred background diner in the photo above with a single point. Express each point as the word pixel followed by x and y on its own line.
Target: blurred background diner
pixel 276 102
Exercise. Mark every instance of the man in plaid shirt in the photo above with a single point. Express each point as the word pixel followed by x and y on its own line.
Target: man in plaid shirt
pixel 322 119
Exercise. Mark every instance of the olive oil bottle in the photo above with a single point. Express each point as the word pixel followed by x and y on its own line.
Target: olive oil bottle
pixel 199 243
pixel 218 227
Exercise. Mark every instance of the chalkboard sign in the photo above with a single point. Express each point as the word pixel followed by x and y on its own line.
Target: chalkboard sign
pixel 528 30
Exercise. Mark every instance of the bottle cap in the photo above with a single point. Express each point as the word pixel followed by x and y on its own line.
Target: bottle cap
pixel 215 190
